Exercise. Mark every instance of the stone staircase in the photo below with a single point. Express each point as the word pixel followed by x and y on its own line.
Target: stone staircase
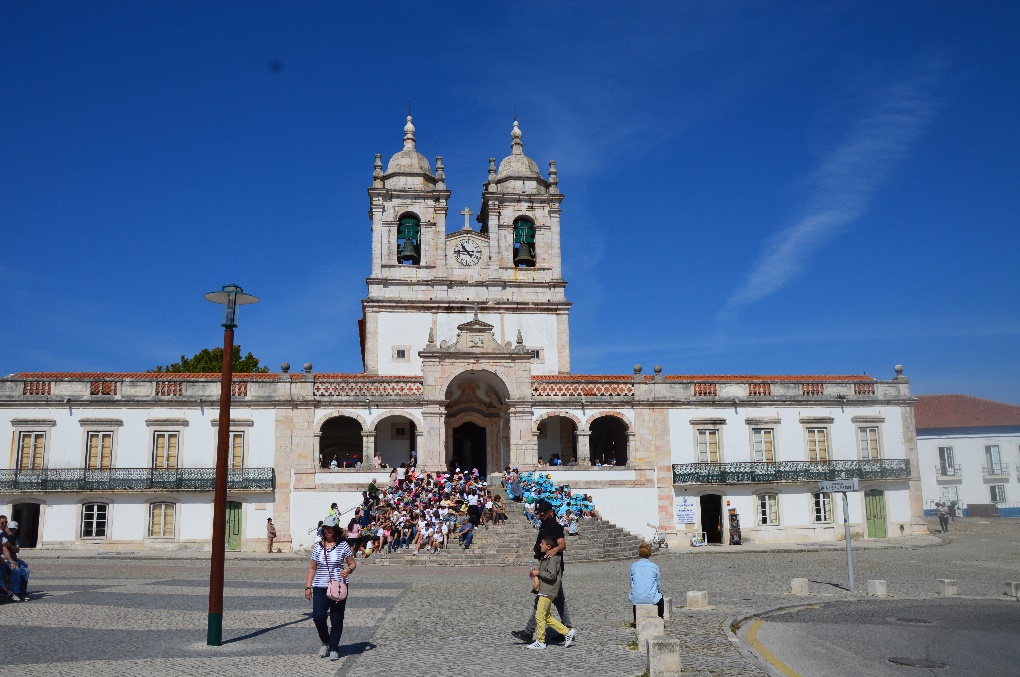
pixel 513 541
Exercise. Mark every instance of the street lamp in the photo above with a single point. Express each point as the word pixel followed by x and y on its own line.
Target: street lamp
pixel 231 296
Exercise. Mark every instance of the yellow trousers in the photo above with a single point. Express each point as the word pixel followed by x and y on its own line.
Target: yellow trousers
pixel 544 617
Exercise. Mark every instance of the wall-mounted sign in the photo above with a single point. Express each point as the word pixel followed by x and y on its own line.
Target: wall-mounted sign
pixel 684 510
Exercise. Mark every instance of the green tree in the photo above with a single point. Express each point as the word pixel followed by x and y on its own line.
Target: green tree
pixel 209 361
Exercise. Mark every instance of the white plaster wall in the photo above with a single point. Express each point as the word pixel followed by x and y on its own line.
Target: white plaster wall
pixel 627 507
pixel 128 520
pixel 402 329
pixel 969 454
pixel 194 521
pixel 59 520
pixel 308 507
pixel 568 476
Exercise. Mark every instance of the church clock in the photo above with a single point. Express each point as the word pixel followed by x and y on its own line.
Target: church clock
pixel 468 253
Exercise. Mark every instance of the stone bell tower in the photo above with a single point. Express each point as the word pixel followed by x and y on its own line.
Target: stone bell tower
pixel 425 280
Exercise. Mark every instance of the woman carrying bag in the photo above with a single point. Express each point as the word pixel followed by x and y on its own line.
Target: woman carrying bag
pixel 326 585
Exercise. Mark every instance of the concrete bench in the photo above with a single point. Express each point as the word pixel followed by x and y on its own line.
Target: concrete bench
pixel 697 599
pixel 877 589
pixel 947 587
pixel 663 657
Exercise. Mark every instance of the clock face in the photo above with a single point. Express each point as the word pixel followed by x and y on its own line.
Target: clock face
pixel 468 253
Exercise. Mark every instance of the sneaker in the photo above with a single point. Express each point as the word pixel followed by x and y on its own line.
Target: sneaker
pixel 570 637
pixel 522 635
pixel 324 651
pixel 21 598
pixel 334 656
pixel 536 645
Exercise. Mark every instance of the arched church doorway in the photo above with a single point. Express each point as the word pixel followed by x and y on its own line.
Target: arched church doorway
pixel 470 450
pixel 608 441
pixel 340 439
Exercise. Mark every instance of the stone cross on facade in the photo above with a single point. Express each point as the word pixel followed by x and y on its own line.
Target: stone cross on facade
pixel 467 216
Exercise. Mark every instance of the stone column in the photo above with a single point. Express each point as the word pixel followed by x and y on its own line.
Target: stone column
pixel 432 452
pixel 632 450
pixel 419 442
pixel 368 449
pixel 583 448
pixel 523 445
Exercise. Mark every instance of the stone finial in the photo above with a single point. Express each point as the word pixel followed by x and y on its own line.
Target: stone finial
pixel 440 173
pixel 637 369
pixel 377 171
pixel 520 338
pixel 554 179
pixel 492 173
pixel 657 369
pixel 899 370
pixel 432 336
pixel 308 367
pixel 409 135
pixel 516 146
pixel 285 367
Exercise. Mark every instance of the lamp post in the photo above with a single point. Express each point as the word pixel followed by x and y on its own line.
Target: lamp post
pixel 231 296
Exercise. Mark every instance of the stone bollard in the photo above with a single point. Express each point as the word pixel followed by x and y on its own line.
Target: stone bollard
pixel 663 657
pixel 645 612
pixel 667 608
pixel 1013 589
pixel 647 629
pixel 697 599
pixel 799 586
pixel 947 587
pixel 877 589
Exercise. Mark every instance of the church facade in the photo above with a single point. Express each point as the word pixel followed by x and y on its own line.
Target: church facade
pixel 466 352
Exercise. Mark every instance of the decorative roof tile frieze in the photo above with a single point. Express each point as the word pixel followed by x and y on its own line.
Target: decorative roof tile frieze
pixel 578 386
pixel 361 385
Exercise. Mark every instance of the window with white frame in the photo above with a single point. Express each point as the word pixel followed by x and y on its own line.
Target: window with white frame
pixel 236 449
pixel 31 446
pixel 99 450
pixel 823 508
pixel 998 493
pixel 946 464
pixel 708 445
pixel 161 520
pixel 949 494
pixel 868 443
pixel 763 445
pixel 401 353
pixel 768 509
pixel 993 460
pixel 164 450
pixel 94 518
pixel 818 444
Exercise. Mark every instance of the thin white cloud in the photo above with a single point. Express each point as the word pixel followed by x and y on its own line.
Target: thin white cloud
pixel 841 188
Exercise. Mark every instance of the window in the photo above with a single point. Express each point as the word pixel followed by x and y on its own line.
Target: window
pixel 708 446
pixel 993 460
pixel 949 494
pixel 524 243
pixel 99 451
pixel 817 444
pixel 236 450
pixel 161 520
pixel 823 508
pixel 768 509
pixel 946 464
pixel 164 450
pixel 537 354
pixel 868 438
pixel 401 353
pixel 409 240
pixel 998 493
pixel 93 520
pixel 30 450
pixel 762 445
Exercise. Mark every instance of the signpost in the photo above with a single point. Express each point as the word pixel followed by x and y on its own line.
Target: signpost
pixel 843 486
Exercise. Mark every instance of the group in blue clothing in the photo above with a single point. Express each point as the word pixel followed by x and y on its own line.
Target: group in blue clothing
pixel 530 487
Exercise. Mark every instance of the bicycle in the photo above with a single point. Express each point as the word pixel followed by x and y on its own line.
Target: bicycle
pixel 658 537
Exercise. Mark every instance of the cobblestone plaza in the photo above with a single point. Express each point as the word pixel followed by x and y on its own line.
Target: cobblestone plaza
pixel 125 615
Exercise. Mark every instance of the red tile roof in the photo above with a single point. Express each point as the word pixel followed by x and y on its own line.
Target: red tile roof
pixel 781 378
pixel 963 411
pixel 145 376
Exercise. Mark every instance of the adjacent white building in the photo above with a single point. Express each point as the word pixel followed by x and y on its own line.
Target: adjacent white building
pixel 465 344
pixel 970 453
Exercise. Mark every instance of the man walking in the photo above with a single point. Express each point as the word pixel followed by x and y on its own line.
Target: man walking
pixel 548 527
pixel 270 532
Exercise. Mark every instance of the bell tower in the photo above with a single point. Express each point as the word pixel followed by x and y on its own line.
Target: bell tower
pixel 426 281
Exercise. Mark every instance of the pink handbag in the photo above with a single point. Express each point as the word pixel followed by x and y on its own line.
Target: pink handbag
pixel 335 590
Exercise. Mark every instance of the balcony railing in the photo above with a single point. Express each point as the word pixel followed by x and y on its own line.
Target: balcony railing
pixel 995 470
pixel 948 472
pixel 790 471
pixel 135 479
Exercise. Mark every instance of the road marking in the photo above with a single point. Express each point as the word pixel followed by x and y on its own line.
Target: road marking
pixel 752 638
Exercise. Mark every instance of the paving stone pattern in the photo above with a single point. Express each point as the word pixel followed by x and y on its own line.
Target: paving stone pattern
pixel 115 616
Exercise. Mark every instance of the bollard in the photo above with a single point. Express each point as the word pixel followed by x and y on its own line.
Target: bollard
pixel 663 657
pixel 1013 589
pixel 647 629
pixel 645 612
pixel 877 589
pixel 947 587
pixel 799 586
pixel 667 608
pixel 697 599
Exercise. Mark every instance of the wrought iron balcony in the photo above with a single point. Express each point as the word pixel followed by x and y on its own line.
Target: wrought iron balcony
pixel 948 473
pixel 135 479
pixel 995 470
pixel 790 471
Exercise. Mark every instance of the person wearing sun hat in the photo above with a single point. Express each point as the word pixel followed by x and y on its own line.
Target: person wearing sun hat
pixel 10 563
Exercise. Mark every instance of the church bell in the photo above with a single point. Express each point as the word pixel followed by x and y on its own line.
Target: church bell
pixel 523 256
pixel 408 252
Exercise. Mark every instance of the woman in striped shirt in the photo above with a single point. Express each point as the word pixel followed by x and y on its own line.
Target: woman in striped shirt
pixel 331 559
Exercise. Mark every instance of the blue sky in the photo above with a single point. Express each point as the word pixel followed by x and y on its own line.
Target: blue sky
pixel 759 187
